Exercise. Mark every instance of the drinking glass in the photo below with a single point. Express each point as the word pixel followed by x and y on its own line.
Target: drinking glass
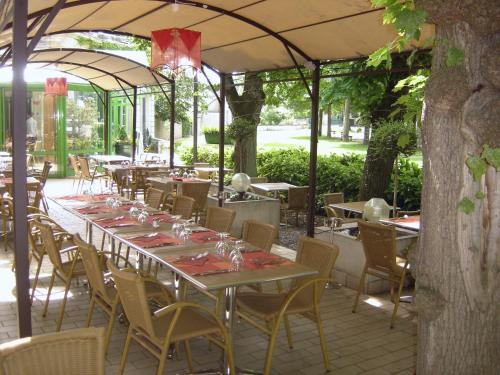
pixel 185 233
pixel 236 257
pixel 143 217
pixel 223 246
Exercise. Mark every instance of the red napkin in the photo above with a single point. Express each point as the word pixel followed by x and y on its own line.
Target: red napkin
pixel 261 259
pixel 101 209
pixel 203 237
pixel 209 263
pixel 113 222
pixel 155 241
pixel 163 218
pixel 409 219
pixel 87 198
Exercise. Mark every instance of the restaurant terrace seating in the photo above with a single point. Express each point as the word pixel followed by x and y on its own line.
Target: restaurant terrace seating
pixel 183 206
pixel 174 323
pixel 75 352
pixel 64 270
pixel 76 170
pixel 219 219
pixel 154 198
pixel 199 192
pixel 303 298
pixel 379 245
pixel 297 202
pixel 88 174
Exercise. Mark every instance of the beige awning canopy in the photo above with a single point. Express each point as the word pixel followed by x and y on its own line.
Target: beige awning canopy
pixel 237 35
pixel 107 71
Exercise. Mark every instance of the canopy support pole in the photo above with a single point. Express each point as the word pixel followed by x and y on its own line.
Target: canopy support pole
pixel 222 120
pixel 134 125
pixel 45 25
pixel 311 209
pixel 172 123
pixel 20 55
pixel 195 117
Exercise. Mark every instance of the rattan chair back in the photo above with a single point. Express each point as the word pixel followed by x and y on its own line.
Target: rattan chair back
pixel 198 191
pixel 219 219
pixel 93 268
pixel 34 194
pixel 75 352
pixel 85 168
pixel 50 245
pixel 297 197
pixel 320 256
pixel 261 235
pixel 333 198
pixel 121 179
pixel 74 164
pixel 132 291
pixel 154 198
pixel 379 245
pixel 183 206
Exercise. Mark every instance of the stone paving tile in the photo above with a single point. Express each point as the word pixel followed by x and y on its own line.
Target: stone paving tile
pixel 360 343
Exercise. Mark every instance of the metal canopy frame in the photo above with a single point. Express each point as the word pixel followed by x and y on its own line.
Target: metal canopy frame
pixel 19 51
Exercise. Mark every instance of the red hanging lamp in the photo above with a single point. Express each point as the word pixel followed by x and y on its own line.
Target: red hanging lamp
pixel 175 49
pixel 56 86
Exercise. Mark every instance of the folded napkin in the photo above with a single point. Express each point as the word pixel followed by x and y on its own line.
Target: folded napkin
pixel 203 266
pixel 205 236
pixel 87 198
pixel 102 209
pixel 159 240
pixel 122 221
pixel 163 218
pixel 261 259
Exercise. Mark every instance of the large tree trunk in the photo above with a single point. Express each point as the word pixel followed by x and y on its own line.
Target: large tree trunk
pixel 246 105
pixel 347 116
pixel 378 166
pixel 458 259
pixel 329 121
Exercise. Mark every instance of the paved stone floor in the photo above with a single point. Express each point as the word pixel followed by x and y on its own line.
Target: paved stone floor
pixel 360 343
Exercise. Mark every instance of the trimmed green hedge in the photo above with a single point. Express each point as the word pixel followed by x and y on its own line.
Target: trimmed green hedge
pixel 335 173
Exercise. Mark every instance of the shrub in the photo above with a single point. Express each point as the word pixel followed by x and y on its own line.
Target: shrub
pixel 409 185
pixel 207 155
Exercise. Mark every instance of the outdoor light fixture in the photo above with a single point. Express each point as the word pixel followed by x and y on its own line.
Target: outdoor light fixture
pixel 240 183
pixel 175 48
pixel 56 86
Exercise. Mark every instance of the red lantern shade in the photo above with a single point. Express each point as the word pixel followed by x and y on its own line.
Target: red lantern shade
pixel 56 86
pixel 175 48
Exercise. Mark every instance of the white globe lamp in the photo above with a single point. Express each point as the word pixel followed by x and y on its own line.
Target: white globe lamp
pixel 240 183
pixel 376 209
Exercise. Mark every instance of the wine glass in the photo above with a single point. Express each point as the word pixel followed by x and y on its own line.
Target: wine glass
pixel 185 233
pixel 236 256
pixel 223 247
pixel 143 217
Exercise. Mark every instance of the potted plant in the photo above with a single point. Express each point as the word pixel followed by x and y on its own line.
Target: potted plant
pixel 212 136
pixel 123 145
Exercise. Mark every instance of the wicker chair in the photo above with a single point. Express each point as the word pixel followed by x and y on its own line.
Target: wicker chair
pixel 139 183
pixel 335 213
pixel 199 192
pixel 42 177
pixel 104 293
pixel 179 321
pixel 259 234
pixel 121 178
pixel 219 219
pixel 75 352
pixel 7 214
pixel 66 271
pixel 303 298
pixel 88 174
pixel 297 202
pixel 37 250
pixel 76 169
pixel 183 206
pixel 379 245
pixel 154 198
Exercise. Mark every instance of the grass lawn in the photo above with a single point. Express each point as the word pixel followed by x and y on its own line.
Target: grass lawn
pixel 271 140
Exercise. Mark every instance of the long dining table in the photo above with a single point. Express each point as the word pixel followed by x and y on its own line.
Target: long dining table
pixel 193 259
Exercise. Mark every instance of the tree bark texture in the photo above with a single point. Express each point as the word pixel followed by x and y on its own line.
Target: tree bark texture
pixel 329 121
pixel 347 115
pixel 246 105
pixel 366 134
pixel 378 168
pixel 458 258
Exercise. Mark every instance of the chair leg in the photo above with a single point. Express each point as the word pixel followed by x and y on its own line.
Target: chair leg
pixel 270 349
pixel 102 241
pixel 322 341
pixel 360 289
pixel 396 302
pixel 189 355
pixel 91 310
pixel 288 331
pixel 48 293
pixel 35 281
pixel 123 361
pixel 63 305
pixel 110 326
